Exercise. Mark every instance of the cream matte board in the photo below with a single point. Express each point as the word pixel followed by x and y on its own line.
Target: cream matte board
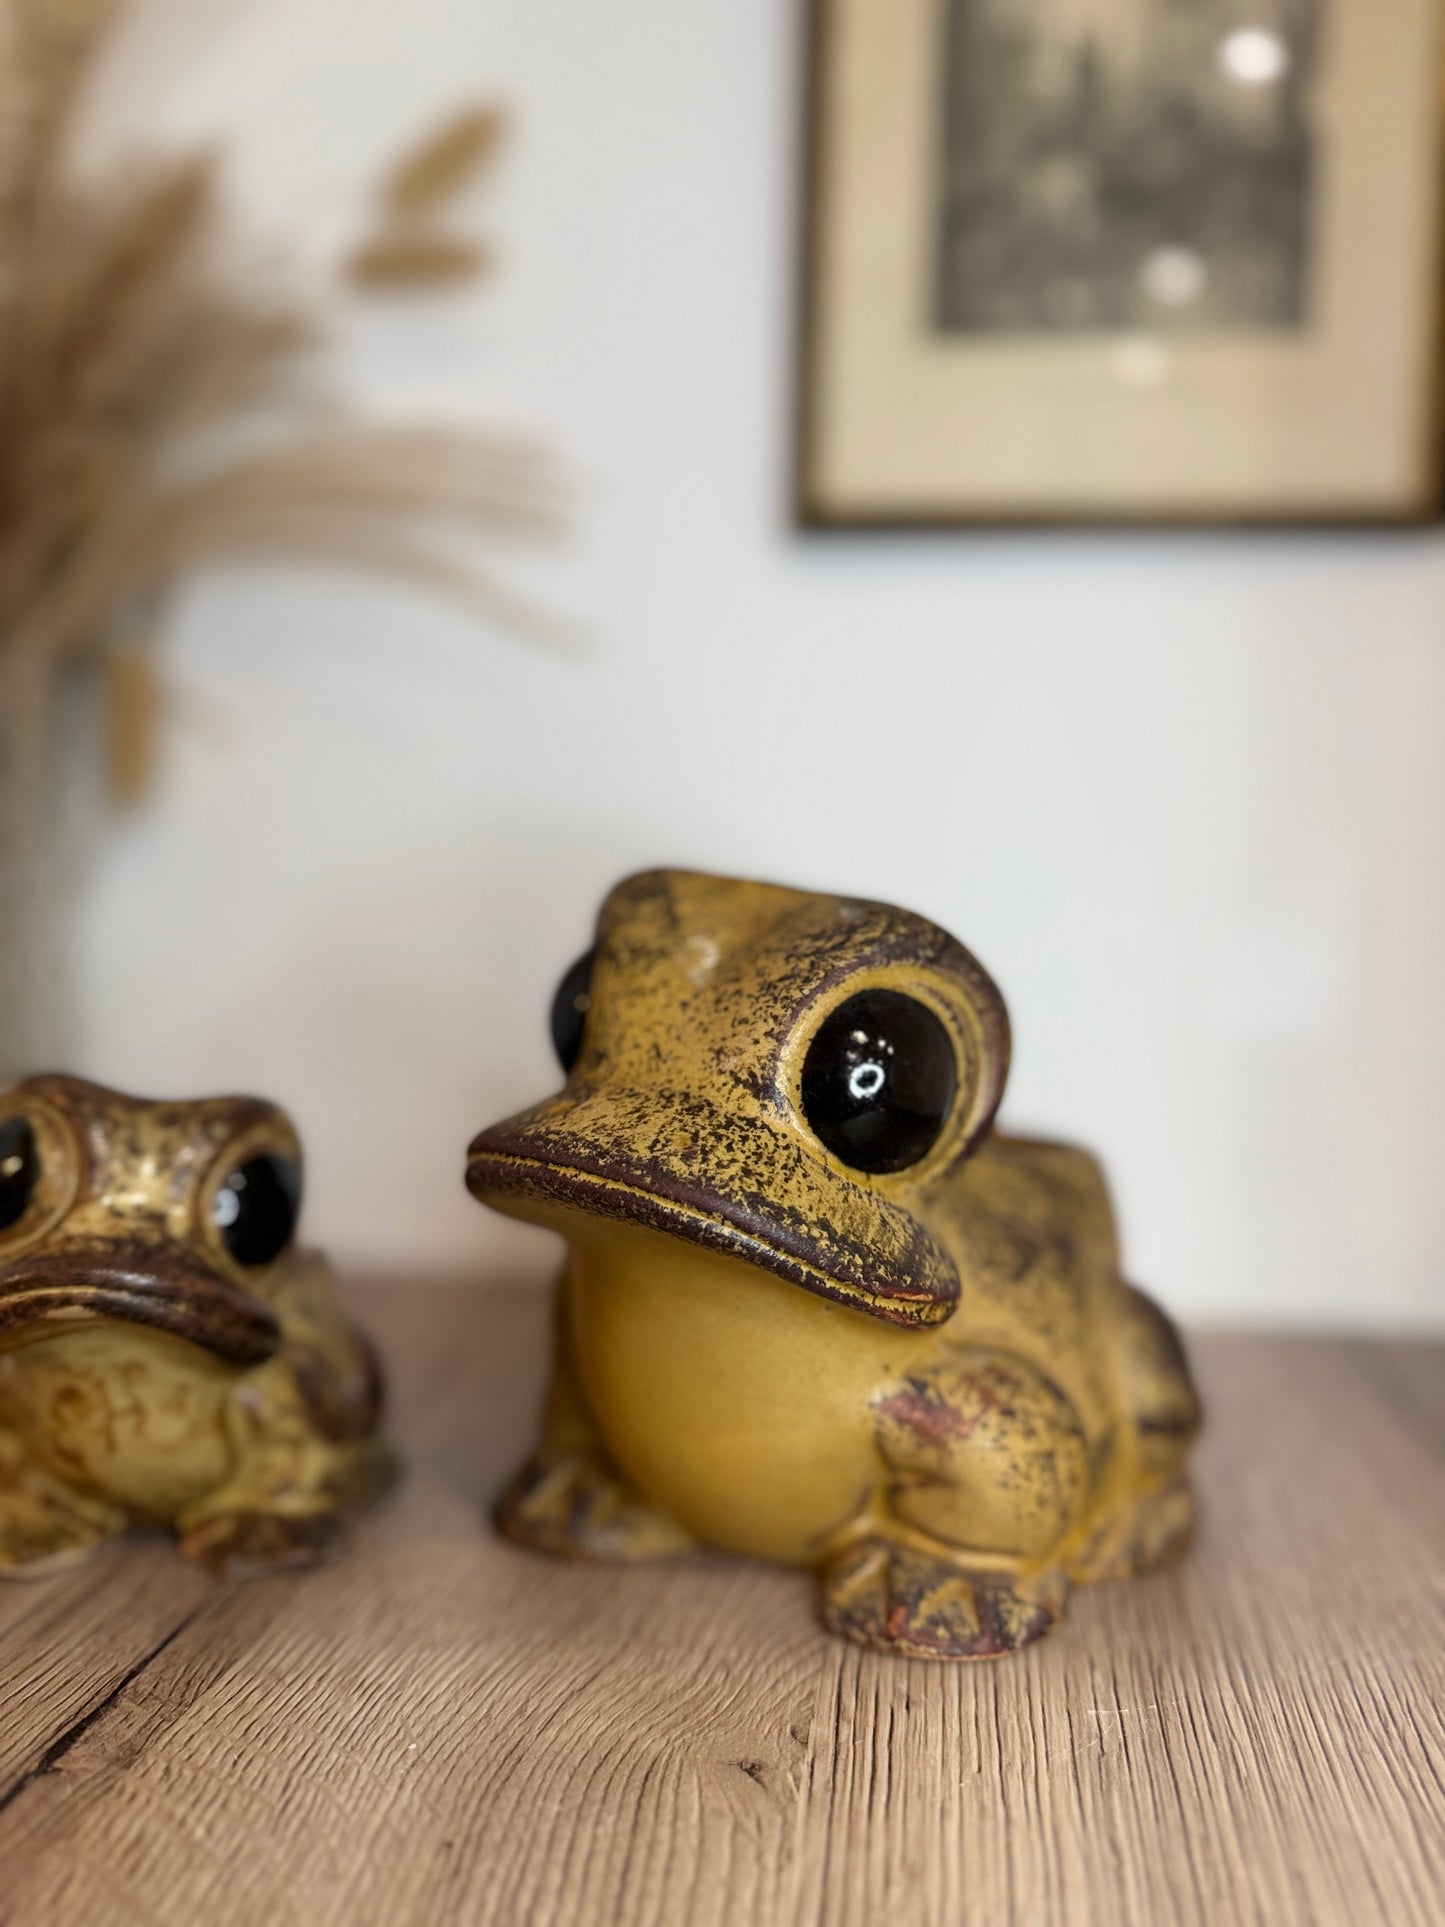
pixel 1337 418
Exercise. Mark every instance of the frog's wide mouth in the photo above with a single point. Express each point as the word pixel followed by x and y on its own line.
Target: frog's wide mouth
pixel 529 1170
pixel 60 1290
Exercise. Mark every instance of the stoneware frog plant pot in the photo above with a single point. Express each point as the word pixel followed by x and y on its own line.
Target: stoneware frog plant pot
pixel 168 1356
pixel 815 1309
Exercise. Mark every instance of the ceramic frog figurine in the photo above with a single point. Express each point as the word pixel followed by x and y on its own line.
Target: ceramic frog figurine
pixel 167 1354
pixel 815 1309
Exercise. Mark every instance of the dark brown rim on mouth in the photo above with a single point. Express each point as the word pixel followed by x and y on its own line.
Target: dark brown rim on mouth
pixel 59 1290
pixel 701 1218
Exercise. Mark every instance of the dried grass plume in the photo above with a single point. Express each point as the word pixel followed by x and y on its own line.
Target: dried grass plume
pixel 129 361
pixel 156 413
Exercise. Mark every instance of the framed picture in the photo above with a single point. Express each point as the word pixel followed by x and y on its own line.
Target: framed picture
pixel 1123 260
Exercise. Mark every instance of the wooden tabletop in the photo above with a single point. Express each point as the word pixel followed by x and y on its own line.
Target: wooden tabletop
pixel 440 1728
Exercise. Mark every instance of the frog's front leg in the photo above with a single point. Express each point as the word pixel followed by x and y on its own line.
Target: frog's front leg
pixel 44 1521
pixel 305 1446
pixel 569 1499
pixel 987 1471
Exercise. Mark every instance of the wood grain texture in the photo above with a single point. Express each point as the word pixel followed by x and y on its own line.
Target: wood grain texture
pixel 440 1727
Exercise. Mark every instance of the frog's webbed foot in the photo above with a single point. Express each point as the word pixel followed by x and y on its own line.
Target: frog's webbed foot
pixel 287 1504
pixel 571 1504
pixel 44 1525
pixel 896 1598
pixel 234 1543
pixel 247 1536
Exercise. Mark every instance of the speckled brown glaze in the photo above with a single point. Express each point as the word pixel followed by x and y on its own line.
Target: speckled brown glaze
pixel 145 1374
pixel 717 1156
pixel 932 1385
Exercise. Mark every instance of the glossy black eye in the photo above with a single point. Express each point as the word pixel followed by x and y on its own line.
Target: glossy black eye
pixel 879 1080
pixel 569 1011
pixel 19 1170
pixel 256 1208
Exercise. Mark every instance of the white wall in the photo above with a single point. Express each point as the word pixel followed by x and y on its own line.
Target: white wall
pixel 1184 796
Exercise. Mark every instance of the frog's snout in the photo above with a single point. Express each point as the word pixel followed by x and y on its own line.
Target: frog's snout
pixel 139 1283
pixel 728 1184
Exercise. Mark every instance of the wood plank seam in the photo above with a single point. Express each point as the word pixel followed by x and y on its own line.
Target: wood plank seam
pixel 51 1758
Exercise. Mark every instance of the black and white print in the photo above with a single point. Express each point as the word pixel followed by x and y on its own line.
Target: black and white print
pixel 1127 165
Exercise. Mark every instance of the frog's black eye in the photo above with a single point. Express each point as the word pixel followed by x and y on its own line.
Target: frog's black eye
pixel 19 1170
pixel 256 1206
pixel 569 1010
pixel 879 1080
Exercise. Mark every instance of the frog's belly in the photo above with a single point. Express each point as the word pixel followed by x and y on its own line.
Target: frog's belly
pixel 135 1415
pixel 737 1403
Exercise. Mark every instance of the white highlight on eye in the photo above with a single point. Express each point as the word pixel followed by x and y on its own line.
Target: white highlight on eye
pixel 12 1167
pixel 1253 56
pixel 226 1206
pixel 866 1080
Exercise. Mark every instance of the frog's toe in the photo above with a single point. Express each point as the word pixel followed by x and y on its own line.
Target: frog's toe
pixel 573 1506
pixel 897 1599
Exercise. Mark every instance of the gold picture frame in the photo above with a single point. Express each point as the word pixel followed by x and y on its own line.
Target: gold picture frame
pixel 1122 261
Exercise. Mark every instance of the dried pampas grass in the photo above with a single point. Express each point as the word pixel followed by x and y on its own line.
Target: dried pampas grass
pixel 411 245
pixel 154 416
pixel 445 162
pixel 125 355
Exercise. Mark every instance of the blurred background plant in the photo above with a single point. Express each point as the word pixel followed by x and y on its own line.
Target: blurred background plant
pixel 163 406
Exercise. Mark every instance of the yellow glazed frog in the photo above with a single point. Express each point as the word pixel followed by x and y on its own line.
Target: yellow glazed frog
pixel 814 1308
pixel 167 1354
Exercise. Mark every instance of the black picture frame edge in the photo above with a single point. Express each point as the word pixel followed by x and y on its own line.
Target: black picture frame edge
pixel 811 516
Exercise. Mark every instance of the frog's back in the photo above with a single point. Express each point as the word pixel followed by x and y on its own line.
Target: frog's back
pixel 1031 1228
